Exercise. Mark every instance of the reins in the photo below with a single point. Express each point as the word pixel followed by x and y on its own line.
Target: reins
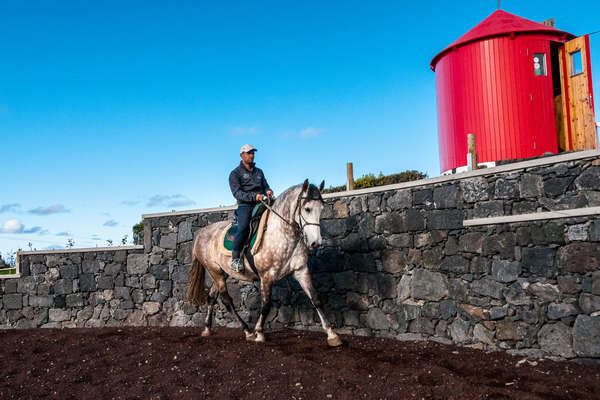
pixel 276 213
pixel 298 228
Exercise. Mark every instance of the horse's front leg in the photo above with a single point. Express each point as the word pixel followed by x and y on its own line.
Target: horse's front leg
pixel 303 277
pixel 266 285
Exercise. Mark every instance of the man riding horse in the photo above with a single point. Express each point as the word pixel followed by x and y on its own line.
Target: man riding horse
pixel 249 186
pixel 292 227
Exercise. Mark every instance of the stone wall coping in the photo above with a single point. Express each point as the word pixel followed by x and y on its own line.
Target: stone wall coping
pixel 573 212
pixel 198 211
pixel 81 250
pixel 577 155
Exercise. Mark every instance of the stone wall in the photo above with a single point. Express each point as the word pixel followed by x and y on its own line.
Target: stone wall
pixel 396 261
pixel 76 288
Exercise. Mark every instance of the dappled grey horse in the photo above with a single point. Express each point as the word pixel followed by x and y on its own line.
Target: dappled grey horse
pixel 292 228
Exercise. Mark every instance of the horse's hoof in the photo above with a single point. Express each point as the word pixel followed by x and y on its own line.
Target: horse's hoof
pixel 334 341
pixel 206 332
pixel 259 337
pixel 249 335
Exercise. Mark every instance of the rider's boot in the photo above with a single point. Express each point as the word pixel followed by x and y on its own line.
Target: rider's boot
pixel 237 265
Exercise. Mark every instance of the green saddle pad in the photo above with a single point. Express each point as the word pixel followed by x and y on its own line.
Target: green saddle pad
pixel 230 236
pixel 257 213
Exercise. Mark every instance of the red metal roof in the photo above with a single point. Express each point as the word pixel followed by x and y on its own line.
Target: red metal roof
pixel 498 24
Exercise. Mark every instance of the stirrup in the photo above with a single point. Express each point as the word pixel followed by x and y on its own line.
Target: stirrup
pixel 237 265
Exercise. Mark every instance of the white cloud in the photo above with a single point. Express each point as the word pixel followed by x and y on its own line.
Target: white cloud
pixel 176 200
pixel 12 226
pixel 54 247
pixel 63 234
pixel 15 226
pixel 9 207
pixel 111 223
pixel 54 209
pixel 130 202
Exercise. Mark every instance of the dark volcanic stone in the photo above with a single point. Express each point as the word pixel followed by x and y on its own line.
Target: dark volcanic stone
pixel 579 257
pixel 422 197
pixel 531 186
pixel 445 219
pixel 557 186
pixel 589 179
pixel 502 244
pixel 586 336
pixel 87 282
pixel 494 208
pixel 445 196
pixel 414 220
pixel 539 261
pixel 506 189
pixel 456 263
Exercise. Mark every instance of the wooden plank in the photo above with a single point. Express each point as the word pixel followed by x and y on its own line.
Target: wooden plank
pixel 582 118
pixel 350 176
pixel 561 132
pixel 566 125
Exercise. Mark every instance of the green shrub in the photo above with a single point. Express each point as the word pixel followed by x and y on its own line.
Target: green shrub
pixel 8 271
pixel 138 233
pixel 370 180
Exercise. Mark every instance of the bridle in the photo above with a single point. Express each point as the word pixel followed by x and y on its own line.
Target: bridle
pixel 298 228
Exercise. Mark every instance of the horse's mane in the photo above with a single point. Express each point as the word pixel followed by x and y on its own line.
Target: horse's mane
pixel 290 195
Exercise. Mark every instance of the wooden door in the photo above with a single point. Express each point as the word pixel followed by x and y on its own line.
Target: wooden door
pixel 579 123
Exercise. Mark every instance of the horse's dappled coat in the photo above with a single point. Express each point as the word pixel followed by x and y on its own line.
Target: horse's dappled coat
pixel 284 251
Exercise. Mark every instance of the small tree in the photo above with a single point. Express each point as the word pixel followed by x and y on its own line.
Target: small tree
pixel 138 233
pixel 70 243
pixel 124 240
pixel 109 242
pixel 10 259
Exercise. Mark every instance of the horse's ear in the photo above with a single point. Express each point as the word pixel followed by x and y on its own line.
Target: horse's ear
pixel 305 186
pixel 321 186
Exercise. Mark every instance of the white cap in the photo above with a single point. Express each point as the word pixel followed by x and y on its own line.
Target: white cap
pixel 247 148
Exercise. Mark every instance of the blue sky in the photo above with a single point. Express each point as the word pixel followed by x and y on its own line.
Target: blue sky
pixel 115 109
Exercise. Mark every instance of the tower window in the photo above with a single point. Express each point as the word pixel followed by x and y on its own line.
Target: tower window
pixel 576 64
pixel 539 64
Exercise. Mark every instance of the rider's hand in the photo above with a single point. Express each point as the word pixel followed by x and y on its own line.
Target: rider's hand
pixel 270 193
pixel 259 197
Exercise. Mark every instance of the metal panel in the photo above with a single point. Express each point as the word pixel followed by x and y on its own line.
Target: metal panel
pixel 489 88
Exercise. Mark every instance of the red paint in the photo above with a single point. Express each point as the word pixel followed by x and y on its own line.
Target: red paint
pixel 487 86
pixel 589 69
pixel 566 96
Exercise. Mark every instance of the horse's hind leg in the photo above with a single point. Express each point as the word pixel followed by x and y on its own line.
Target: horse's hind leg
pixel 303 277
pixel 221 286
pixel 212 299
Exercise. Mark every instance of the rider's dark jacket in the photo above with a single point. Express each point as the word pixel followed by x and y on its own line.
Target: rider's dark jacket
pixel 245 185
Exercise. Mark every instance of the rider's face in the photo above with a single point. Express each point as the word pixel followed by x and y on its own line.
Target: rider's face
pixel 248 157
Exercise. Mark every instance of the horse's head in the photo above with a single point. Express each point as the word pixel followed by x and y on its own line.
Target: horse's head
pixel 308 218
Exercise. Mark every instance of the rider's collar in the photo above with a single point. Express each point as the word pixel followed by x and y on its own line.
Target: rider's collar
pixel 250 164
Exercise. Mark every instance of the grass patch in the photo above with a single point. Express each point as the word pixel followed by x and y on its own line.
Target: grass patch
pixel 8 271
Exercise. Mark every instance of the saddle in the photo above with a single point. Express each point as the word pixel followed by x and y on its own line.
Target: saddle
pixel 258 223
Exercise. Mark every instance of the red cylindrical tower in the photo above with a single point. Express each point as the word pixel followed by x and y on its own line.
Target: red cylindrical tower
pixel 498 82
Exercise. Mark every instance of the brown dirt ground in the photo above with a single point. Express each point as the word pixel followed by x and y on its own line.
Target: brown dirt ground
pixel 160 363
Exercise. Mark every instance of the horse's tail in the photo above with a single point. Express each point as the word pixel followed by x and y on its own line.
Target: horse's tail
pixel 196 291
